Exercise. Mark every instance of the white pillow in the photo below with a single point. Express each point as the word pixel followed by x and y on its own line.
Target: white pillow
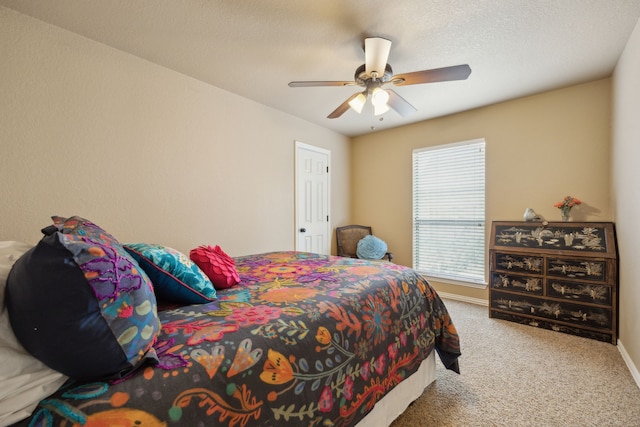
pixel 25 380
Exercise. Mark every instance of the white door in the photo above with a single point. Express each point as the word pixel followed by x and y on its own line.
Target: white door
pixel 312 199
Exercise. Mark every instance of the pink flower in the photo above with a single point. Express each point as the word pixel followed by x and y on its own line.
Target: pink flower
pixel 325 403
pixel 403 338
pixel 423 320
pixel 255 315
pixel 347 389
pixel 392 349
pixel 380 364
pixel 365 371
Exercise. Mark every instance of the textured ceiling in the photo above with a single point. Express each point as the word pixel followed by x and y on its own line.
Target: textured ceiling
pixel 255 47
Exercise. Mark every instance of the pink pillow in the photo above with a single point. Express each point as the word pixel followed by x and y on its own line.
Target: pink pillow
pixel 217 265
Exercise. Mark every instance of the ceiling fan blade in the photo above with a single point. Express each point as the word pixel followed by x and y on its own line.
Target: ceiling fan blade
pixel 320 83
pixel 399 104
pixel 376 51
pixel 342 108
pixel 457 72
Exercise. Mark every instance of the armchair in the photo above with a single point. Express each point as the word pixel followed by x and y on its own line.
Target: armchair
pixel 347 239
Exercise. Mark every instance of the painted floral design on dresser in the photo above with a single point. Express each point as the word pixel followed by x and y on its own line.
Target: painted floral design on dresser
pixel 577 269
pixel 566 312
pixel 519 283
pixel 576 291
pixel 519 263
pixel 566 237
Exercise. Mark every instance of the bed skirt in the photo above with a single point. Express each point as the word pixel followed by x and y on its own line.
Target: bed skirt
pixel 403 395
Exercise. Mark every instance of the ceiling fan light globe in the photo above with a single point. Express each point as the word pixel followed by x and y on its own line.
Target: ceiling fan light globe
pixel 357 103
pixel 380 109
pixel 379 97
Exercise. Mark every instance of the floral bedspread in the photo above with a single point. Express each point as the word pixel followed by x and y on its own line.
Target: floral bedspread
pixel 303 339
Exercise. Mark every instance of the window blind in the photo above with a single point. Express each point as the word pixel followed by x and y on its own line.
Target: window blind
pixel 449 211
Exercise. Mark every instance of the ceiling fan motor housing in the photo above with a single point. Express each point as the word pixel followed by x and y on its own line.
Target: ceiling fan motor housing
pixel 362 78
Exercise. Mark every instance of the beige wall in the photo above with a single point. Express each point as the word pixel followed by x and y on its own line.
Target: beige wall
pixel 538 150
pixel 626 194
pixel 149 154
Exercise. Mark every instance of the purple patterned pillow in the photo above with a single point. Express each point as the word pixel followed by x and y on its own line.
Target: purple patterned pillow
pixel 81 304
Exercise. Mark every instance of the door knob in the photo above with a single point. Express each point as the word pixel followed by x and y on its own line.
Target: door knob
pixel 303 230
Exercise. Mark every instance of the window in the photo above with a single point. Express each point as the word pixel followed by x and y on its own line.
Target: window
pixel 448 211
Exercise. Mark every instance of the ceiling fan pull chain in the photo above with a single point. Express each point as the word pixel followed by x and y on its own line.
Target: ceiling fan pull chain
pixel 372 116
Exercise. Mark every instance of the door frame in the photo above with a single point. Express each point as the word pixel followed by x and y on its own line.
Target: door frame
pixel 302 146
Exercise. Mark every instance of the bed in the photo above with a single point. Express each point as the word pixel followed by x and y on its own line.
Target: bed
pixel 302 339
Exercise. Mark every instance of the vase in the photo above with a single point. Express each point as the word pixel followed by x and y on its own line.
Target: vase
pixel 565 214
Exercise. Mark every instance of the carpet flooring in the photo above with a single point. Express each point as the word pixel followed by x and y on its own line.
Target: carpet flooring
pixel 517 375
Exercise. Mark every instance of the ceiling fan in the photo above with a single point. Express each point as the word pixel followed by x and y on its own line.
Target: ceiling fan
pixel 376 73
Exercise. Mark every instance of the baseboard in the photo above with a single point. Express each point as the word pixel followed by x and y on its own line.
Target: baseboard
pixel 456 297
pixel 627 359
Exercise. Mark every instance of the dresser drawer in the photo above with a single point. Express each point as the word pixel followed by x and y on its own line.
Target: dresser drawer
pixel 582 269
pixel 529 284
pixel 581 315
pixel 510 262
pixel 579 291
pixel 547 324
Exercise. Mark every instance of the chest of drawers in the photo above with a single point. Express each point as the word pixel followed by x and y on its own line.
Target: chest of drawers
pixel 558 275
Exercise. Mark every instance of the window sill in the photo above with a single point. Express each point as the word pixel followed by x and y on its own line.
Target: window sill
pixel 449 281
